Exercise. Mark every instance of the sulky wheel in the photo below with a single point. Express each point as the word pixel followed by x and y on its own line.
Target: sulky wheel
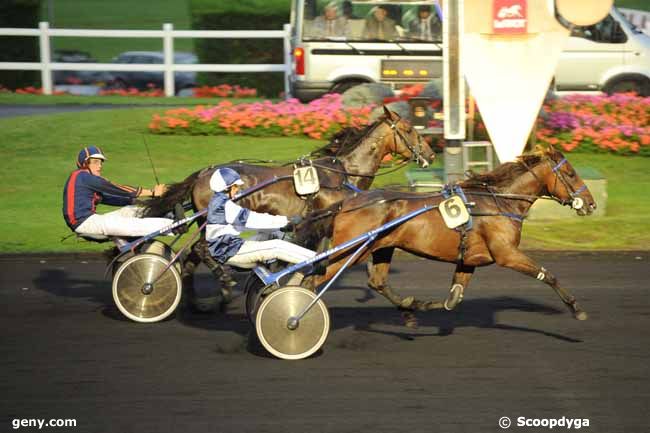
pixel 272 323
pixel 136 296
pixel 254 289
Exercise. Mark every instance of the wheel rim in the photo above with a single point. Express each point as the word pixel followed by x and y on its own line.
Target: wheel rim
pixel 132 276
pixel 272 318
pixel 253 287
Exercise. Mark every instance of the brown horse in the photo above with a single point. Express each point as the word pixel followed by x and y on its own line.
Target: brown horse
pixel 499 202
pixel 352 158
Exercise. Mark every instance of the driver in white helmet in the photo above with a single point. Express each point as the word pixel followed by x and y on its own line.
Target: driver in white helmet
pixel 226 219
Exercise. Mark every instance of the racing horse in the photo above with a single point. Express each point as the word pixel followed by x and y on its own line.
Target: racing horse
pixel 348 164
pixel 499 202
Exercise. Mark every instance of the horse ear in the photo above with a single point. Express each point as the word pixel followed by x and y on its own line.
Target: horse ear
pixel 387 113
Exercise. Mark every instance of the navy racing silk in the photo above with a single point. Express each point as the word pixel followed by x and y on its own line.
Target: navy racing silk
pixel 83 191
pixel 226 220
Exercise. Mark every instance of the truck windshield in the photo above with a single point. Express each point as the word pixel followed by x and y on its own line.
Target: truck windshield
pixel 372 21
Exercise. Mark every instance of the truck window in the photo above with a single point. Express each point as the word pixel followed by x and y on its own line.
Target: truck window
pixel 368 21
pixel 608 31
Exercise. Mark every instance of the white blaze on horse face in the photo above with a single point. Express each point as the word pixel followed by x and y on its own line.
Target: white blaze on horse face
pixel 578 203
pixel 509 74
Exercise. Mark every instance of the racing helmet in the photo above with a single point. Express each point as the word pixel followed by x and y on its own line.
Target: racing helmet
pixel 89 152
pixel 224 178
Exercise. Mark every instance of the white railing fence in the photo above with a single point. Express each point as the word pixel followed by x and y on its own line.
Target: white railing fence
pixel 168 34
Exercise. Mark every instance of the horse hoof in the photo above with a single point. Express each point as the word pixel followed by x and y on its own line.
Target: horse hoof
pixel 454 298
pixel 407 302
pixel 581 315
pixel 410 321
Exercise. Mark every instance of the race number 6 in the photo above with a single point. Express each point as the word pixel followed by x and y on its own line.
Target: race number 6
pixel 454 212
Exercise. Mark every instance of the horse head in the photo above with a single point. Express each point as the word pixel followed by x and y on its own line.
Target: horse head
pixel 563 183
pixel 404 140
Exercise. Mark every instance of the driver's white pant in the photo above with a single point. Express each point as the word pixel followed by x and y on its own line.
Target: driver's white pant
pixel 124 222
pixel 254 252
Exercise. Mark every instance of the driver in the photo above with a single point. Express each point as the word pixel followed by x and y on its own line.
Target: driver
pixel 226 219
pixel 85 188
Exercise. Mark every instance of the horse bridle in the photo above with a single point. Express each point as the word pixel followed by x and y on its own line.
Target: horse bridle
pixel 576 201
pixel 416 151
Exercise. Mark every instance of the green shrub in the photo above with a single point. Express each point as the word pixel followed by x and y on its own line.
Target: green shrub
pixel 19 13
pixel 241 15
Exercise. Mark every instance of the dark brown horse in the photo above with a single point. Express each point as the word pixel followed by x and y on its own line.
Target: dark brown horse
pixel 501 200
pixel 350 158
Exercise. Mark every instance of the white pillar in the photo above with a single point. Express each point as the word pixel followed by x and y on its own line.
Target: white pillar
pixel 453 88
pixel 287 60
pixel 168 50
pixel 46 72
pixel 452 72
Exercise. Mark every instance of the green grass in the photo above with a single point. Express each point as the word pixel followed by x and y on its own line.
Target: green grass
pixel 628 211
pixel 118 14
pixel 39 152
pixel 15 99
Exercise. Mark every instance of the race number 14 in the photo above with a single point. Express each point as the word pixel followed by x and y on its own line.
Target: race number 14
pixel 305 180
pixel 454 212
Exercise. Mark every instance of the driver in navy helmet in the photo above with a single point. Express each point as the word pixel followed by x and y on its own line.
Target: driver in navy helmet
pixel 86 188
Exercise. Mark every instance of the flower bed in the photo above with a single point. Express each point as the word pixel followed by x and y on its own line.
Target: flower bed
pixel 619 123
pixel 224 91
pixel 151 92
pixel 221 91
pixel 319 119
pixel 30 91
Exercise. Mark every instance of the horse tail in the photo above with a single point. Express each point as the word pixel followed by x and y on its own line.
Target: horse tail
pixel 176 193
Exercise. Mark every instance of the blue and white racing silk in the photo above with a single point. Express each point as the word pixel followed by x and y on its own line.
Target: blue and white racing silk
pixel 226 220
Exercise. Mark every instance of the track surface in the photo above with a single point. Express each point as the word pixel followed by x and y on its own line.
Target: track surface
pixel 510 349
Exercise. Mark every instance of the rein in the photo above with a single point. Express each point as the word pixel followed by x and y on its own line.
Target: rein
pixel 576 201
pixel 349 173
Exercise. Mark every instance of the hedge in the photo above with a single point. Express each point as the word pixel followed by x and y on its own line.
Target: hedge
pixel 21 14
pixel 241 15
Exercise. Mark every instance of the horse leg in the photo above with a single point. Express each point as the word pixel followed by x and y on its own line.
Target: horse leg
pixel 513 258
pixel 218 270
pixel 378 281
pixel 459 283
pixel 189 267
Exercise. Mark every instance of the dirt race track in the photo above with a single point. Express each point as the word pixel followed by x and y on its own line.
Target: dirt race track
pixel 510 349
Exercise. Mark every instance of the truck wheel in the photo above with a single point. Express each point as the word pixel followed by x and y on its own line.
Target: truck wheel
pixel 345 85
pixel 640 85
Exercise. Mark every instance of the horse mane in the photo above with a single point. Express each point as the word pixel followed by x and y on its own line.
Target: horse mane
pixel 345 141
pixel 505 173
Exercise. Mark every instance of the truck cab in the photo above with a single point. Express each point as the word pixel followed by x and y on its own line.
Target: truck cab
pixel 339 44
pixel 611 56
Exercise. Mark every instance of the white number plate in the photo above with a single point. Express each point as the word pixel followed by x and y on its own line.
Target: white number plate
pixel 305 180
pixel 454 212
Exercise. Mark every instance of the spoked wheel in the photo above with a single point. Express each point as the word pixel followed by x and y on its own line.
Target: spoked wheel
pixel 139 292
pixel 272 323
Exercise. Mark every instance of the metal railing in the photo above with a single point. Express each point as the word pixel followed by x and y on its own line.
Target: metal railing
pixel 168 34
